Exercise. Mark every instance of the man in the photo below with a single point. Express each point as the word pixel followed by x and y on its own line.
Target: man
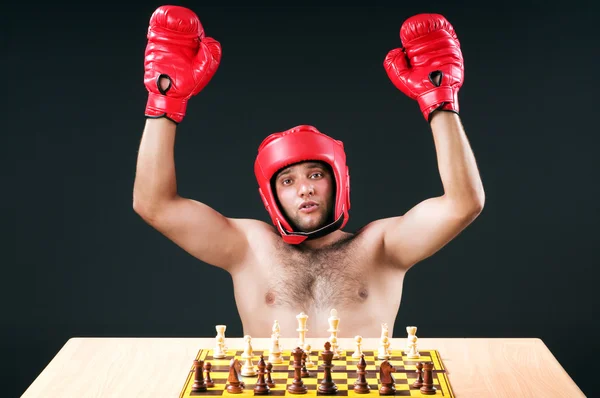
pixel 305 262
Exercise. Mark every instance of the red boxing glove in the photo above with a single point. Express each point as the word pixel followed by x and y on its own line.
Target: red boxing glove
pixel 177 50
pixel 430 66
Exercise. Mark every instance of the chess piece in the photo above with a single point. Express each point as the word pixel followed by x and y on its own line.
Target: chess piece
pixel 207 369
pixel 309 362
pixel 410 331
pixel 304 371
pixel 334 347
pixel 327 386
pixel 269 368
pixel 383 352
pixel 388 352
pixel 261 387
pixel 419 382
pixel 427 388
pixel 384 343
pixel 199 384
pixel 385 331
pixel 219 352
pixel 275 352
pixel 358 352
pixel 361 386
pixel 297 386
pixel 276 329
pixel 302 318
pixel 413 353
pixel 234 384
pixel 248 368
pixel 334 322
pixel 386 379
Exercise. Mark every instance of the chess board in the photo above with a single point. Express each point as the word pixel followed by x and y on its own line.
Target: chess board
pixel 344 373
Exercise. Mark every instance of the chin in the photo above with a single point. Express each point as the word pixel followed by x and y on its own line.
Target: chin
pixel 309 227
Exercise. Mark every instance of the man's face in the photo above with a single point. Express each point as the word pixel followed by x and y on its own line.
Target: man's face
pixel 305 192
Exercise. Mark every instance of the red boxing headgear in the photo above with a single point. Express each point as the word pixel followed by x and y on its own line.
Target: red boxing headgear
pixel 298 144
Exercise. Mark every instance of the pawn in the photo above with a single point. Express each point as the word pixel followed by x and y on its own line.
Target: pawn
pixel 383 348
pixel 357 354
pixel 419 382
pixel 309 362
pixel 304 371
pixel 219 350
pixel 261 387
pixel 207 369
pixel 334 347
pixel 269 368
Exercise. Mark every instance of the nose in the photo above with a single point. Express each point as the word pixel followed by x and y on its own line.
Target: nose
pixel 306 188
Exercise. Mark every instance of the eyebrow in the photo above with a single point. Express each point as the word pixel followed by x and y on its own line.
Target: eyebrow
pixel 289 169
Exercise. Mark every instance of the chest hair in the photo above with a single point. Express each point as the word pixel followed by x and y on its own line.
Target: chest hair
pixel 318 279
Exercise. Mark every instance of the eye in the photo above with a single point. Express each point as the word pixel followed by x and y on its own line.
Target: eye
pixel 286 181
pixel 318 174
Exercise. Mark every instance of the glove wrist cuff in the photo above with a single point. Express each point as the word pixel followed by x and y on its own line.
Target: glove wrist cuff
pixel 159 105
pixel 431 100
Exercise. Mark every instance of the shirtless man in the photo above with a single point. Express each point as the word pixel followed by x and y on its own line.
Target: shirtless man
pixel 305 261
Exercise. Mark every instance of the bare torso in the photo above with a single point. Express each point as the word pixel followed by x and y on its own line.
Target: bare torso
pixel 281 281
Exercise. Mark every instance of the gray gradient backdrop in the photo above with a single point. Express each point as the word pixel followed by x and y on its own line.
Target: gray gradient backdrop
pixel 84 264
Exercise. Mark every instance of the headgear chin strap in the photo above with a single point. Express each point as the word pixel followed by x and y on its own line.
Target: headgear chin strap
pixel 298 144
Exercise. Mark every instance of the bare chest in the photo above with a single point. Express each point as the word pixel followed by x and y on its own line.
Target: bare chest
pixel 313 281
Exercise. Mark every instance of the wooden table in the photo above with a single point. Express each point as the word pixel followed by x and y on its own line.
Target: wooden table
pixel 157 367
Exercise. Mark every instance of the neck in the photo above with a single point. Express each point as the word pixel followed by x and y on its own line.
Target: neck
pixel 325 241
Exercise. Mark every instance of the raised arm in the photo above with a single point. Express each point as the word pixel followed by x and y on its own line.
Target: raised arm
pixel 180 61
pixel 429 69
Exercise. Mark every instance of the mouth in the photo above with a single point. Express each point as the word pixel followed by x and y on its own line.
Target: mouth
pixel 308 207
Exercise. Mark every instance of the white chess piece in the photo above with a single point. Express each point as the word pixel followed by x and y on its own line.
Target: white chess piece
pixel 358 352
pixel 309 363
pixel 384 330
pixel 275 354
pixel 220 352
pixel 248 368
pixel 413 353
pixel 410 331
pixel 334 322
pixel 302 318
pixel 382 353
pixel 334 347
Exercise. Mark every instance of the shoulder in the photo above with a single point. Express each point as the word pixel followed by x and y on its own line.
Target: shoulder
pixel 375 230
pixel 372 236
pixel 254 229
pixel 261 237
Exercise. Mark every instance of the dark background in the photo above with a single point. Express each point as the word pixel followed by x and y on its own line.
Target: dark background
pixel 84 264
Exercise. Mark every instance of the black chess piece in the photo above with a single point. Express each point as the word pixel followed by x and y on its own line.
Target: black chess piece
pixel 199 384
pixel 361 386
pixel 261 387
pixel 388 384
pixel 428 388
pixel 207 369
pixel 270 382
pixel 327 386
pixel 297 386
pixel 234 385
pixel 304 370
pixel 419 382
